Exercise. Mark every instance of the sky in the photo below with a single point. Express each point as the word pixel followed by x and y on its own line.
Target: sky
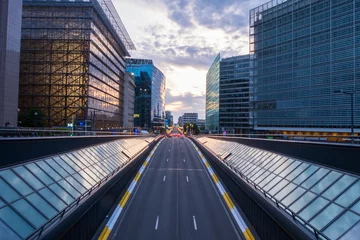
pixel 183 37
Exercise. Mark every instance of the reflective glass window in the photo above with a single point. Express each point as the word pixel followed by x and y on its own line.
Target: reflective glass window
pixel 84 175
pixel 82 181
pixel 70 162
pixel 80 158
pixel 304 175
pixel 326 215
pixel 280 195
pixel 70 189
pixel 2 203
pixel 61 193
pixel 313 208
pixel 353 233
pixel 7 192
pixel 29 212
pixel 16 182
pixel 76 184
pixel 315 178
pixel 278 187
pixel 272 183
pixel 44 208
pixel 76 160
pixel 52 198
pixel 44 166
pixel 29 177
pixel 297 171
pixel 293 196
pixel 325 182
pixel 338 187
pixel 302 201
pixel 17 223
pixel 350 195
pixel 277 164
pixel 64 165
pixel 39 173
pixel 286 163
pixel 289 169
pixel 97 171
pixel 57 167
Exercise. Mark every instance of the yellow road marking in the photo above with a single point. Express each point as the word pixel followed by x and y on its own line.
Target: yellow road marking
pixel 215 178
pixel 124 199
pixel 137 176
pixel 207 164
pixel 104 234
pixel 228 201
pixel 251 237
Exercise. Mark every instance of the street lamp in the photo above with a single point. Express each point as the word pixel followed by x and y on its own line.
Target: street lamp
pixel 352 109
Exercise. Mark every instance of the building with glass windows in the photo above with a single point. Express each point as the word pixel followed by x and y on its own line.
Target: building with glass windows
pixel 129 100
pixel 234 94
pixel 150 92
pixel 227 95
pixel 72 61
pixel 301 52
pixel 10 38
pixel 212 96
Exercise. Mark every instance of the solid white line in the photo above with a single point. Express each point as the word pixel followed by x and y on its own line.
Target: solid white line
pixel 157 223
pixel 164 178
pixel 187 178
pixel 195 226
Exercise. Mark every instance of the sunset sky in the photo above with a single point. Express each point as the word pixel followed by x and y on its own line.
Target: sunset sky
pixel 183 37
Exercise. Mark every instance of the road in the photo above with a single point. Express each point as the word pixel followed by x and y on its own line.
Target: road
pixel 175 199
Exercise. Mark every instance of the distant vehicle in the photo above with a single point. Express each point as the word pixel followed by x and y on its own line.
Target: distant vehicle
pixel 144 132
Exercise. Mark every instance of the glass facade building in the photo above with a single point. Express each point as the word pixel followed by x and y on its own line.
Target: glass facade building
pixel 72 61
pixel 212 96
pixel 150 92
pixel 234 94
pixel 301 52
pixel 10 38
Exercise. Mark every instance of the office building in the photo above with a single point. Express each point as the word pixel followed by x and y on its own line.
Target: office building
pixel 212 96
pixel 10 38
pixel 129 100
pixel 180 121
pixel 227 95
pixel 169 118
pixel 190 118
pixel 302 51
pixel 149 94
pixel 201 123
pixel 72 62
pixel 234 95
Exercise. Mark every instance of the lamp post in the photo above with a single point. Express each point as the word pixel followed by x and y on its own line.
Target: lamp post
pixel 352 109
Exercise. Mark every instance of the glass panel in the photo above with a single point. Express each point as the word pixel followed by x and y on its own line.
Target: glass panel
pixel 29 212
pixel 75 160
pixel 39 173
pixel 7 233
pixel 70 163
pixel 44 208
pixel 292 196
pixel 315 178
pixel 326 216
pixel 53 199
pixel 16 182
pixel 57 167
pixel 95 170
pixel 285 191
pixel 342 224
pixel 61 193
pixel 289 169
pixel 313 208
pixel 325 182
pixel 17 223
pixel 76 184
pixel 87 177
pixel 64 165
pixel 277 164
pixel 302 201
pixel 272 183
pixel 80 158
pixel 70 189
pixel 82 181
pixel 7 192
pixel 303 176
pixel 29 178
pixel 267 179
pixel 2 203
pixel 354 233
pixel 297 171
pixel 44 166
pixel 350 195
pixel 278 187
pixel 339 186
pixel 286 164
pixel 263 176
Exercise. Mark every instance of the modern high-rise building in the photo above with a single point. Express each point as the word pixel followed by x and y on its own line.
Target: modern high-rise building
pixel 72 61
pixel 234 94
pixel 10 38
pixel 169 118
pixel 190 118
pixel 302 51
pixel 149 93
pixel 227 95
pixel 180 121
pixel 129 100
pixel 212 96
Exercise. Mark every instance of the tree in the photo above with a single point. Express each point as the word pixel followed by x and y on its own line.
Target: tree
pixel 33 117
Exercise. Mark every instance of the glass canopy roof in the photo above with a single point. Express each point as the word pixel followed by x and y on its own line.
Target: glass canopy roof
pixel 325 200
pixel 31 194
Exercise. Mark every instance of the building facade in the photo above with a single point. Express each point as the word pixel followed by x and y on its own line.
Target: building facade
pixel 302 51
pixel 180 121
pixel 129 100
pixel 190 118
pixel 10 38
pixel 169 118
pixel 234 95
pixel 72 61
pixel 149 93
pixel 212 96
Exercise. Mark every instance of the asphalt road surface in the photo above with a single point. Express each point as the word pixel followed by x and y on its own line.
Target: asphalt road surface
pixel 175 199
